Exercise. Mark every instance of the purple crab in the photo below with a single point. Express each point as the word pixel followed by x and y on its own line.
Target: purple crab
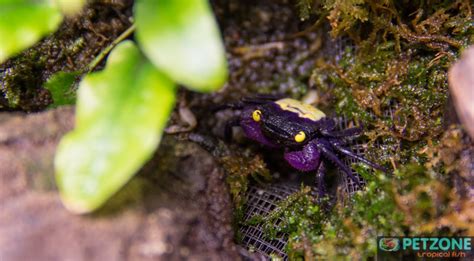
pixel 305 134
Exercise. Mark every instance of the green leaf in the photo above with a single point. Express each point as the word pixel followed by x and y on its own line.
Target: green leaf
pixel 70 7
pixel 120 116
pixel 60 86
pixel 24 22
pixel 181 38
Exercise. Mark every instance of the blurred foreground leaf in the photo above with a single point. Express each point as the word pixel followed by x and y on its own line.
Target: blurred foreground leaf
pixel 60 86
pixel 120 115
pixel 181 38
pixel 24 22
pixel 71 7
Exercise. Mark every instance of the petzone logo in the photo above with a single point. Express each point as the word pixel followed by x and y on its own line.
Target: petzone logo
pixel 389 244
pixel 425 247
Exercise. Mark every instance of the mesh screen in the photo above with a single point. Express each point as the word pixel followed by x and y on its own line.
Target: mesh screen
pixel 261 201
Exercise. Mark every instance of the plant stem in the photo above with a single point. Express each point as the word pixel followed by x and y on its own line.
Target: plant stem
pixel 111 46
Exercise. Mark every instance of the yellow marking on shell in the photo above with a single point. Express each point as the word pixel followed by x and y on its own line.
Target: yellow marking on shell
pixel 302 109
pixel 300 137
pixel 256 115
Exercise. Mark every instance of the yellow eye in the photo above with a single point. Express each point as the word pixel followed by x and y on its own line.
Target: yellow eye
pixel 300 137
pixel 256 115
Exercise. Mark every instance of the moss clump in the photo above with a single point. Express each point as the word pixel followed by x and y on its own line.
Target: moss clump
pixel 406 92
pixel 19 85
pixel 393 75
pixel 239 169
pixel 406 72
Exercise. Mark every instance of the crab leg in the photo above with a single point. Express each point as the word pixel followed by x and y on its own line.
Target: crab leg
pixel 344 133
pixel 259 99
pixel 329 154
pixel 262 98
pixel 350 153
pixel 326 125
pixel 320 172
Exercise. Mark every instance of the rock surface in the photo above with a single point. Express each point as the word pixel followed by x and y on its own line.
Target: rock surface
pixel 181 210
pixel 461 86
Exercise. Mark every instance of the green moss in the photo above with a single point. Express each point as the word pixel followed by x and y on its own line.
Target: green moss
pixel 304 8
pixel 408 85
pixel 22 81
pixel 399 88
pixel 412 202
pixel 240 169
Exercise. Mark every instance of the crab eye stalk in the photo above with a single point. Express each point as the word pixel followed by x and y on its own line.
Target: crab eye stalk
pixel 300 137
pixel 256 115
